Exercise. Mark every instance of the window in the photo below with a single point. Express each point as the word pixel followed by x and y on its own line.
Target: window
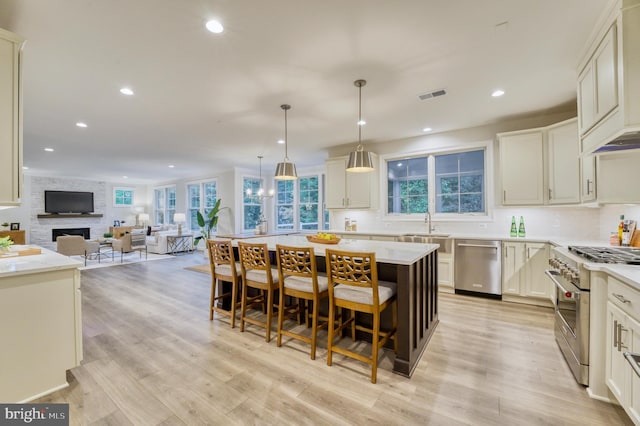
pixel 407 185
pixel 123 197
pixel 284 204
pixel 456 181
pixel 308 212
pixel 460 182
pixel 164 202
pixel 197 202
pixel 251 204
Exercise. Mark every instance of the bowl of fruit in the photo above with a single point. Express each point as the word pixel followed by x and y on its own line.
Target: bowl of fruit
pixel 323 238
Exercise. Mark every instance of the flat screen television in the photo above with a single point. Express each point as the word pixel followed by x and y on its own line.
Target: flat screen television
pixel 68 202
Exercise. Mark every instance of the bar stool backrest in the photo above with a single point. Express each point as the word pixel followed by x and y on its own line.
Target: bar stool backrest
pixel 355 269
pixel 221 253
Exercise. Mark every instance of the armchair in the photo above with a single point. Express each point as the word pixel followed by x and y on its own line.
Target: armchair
pixel 131 242
pixel 76 245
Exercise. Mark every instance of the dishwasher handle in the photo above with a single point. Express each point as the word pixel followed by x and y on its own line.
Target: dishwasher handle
pixel 477 246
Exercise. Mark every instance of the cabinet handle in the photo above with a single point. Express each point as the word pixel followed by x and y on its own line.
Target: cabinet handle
pixel 615 333
pixel 504 195
pixel 588 186
pixel 343 201
pixel 621 298
pixel 549 193
pixel 347 202
pixel 620 330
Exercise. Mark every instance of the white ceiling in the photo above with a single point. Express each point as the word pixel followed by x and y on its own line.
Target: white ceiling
pixel 206 102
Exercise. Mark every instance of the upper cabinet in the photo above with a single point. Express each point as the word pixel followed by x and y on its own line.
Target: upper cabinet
pixel 563 163
pixel 609 80
pixel 618 177
pixel 10 119
pixel 347 190
pixel 540 166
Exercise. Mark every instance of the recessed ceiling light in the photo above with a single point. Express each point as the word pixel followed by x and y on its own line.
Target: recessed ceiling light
pixel 25 168
pixel 81 124
pixel 497 93
pixel 214 26
pixel 427 129
pixel 49 149
pixel 125 177
pixel 171 166
pixel 126 91
pixel 280 141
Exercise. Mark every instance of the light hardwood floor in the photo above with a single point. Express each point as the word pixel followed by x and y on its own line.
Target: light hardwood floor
pixel 151 356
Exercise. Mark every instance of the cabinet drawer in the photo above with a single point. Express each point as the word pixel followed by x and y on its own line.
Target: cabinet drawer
pixel 624 297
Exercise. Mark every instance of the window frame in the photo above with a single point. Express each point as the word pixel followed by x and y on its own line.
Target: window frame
pixel 487 146
pixel 166 211
pixel 116 189
pixel 260 203
pixel 202 208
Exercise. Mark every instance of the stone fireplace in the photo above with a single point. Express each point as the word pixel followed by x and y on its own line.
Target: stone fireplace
pixel 84 232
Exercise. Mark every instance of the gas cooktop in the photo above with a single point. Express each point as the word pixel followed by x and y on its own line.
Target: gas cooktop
pixel 622 255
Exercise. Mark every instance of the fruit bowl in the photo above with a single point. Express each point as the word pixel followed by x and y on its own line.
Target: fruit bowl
pixel 316 239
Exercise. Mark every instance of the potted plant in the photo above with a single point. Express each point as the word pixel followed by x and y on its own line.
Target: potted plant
pixel 207 223
pixel 5 243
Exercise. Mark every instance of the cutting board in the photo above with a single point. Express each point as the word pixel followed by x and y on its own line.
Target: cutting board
pixel 29 251
pixel 635 239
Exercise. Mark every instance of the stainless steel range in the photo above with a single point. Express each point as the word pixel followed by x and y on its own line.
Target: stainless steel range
pixel 572 283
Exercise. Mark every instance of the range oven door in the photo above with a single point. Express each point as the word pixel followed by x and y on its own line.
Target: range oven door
pixel 572 324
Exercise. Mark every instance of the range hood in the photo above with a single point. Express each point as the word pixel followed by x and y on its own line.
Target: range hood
pixel 630 140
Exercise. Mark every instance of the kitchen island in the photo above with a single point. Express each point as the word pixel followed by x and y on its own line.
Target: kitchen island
pixel 413 267
pixel 40 324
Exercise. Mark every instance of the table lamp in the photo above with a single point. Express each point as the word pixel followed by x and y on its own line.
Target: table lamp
pixel 179 218
pixel 143 218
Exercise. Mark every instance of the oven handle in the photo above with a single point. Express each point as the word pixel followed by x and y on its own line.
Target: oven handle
pixel 552 274
pixel 633 360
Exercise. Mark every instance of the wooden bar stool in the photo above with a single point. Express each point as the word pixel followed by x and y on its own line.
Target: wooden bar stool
pixel 257 273
pixel 299 279
pixel 354 285
pixel 223 268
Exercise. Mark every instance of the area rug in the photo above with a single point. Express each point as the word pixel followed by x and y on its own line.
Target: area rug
pixel 129 258
pixel 205 269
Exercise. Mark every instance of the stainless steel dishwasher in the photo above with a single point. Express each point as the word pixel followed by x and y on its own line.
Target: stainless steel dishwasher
pixel 478 268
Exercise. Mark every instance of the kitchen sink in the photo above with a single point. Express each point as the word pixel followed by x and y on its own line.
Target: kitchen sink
pixel 445 242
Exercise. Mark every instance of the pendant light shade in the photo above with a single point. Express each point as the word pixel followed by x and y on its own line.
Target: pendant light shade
pixel 286 170
pixel 360 161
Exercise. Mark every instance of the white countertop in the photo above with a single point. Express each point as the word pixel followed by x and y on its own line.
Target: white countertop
pixel 629 274
pixel 47 261
pixel 386 251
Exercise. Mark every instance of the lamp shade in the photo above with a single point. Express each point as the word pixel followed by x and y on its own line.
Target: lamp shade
pixel 179 217
pixel 143 217
pixel 286 171
pixel 360 162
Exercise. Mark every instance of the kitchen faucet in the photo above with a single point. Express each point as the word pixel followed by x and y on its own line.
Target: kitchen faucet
pixel 427 220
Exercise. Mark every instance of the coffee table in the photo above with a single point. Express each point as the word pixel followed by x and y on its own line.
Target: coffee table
pixel 179 244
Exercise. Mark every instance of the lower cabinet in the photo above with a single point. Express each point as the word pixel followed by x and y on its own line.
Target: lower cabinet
pixel 445 272
pixel 523 266
pixel 623 335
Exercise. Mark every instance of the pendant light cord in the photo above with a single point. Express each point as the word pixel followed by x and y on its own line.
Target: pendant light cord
pixel 286 151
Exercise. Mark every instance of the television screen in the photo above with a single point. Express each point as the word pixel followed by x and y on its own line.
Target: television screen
pixel 68 202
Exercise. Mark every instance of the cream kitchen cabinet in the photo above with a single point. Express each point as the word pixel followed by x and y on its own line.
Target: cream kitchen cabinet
pixel 523 266
pixel 618 177
pixel 609 78
pixel 623 335
pixel 522 167
pixel 597 84
pixel 540 166
pixel 563 162
pixel 346 190
pixel 445 272
pixel 10 118
pixel 588 178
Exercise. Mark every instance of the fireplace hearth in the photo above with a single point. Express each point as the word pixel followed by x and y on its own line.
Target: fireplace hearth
pixel 85 232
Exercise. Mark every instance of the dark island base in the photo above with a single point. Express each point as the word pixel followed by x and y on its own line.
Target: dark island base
pixel 417 308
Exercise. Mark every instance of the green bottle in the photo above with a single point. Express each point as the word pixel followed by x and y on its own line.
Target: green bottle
pixel 514 231
pixel 521 232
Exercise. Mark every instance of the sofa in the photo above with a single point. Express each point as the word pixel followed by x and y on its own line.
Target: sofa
pixel 157 241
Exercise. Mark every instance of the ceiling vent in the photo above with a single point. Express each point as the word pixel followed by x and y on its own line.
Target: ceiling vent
pixel 433 94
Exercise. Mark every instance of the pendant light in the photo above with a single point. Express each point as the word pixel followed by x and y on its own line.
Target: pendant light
pixel 260 195
pixel 360 160
pixel 286 170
